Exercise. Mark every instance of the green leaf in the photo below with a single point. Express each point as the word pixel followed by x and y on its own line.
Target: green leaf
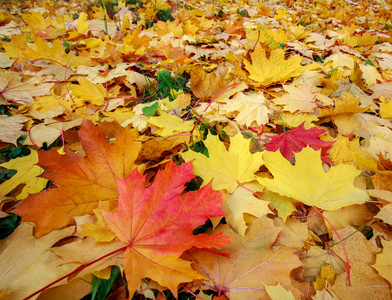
pixel 150 110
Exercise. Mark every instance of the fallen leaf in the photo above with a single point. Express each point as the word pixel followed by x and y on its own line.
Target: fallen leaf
pixel 82 181
pixel 252 261
pixel 148 219
pixel 27 173
pixel 229 168
pixel 308 183
pixel 11 128
pixel 27 264
pixel 244 201
pixel 298 99
pixel 250 107
pixel 275 68
pixel 294 140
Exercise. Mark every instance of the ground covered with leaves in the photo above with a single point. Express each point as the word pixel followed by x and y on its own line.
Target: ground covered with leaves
pixel 196 149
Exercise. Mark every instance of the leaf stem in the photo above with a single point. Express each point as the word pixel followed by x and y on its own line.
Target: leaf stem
pixel 341 241
pixel 78 269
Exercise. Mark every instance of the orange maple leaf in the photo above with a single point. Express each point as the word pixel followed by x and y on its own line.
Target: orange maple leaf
pixel 82 181
pixel 157 224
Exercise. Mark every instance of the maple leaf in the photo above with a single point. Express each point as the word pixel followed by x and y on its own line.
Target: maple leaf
pixel 157 225
pixel 298 99
pixel 308 183
pixel 251 262
pixel 243 201
pixel 250 107
pixel 227 168
pixel 82 181
pixel 294 140
pixel 26 262
pixel 364 277
pixel 383 261
pixel 274 68
pixel 27 173
pixel 11 128
pixel 89 91
pixel 207 85
pixel 13 89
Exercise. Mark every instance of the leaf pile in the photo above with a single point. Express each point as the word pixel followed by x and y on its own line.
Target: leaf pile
pixel 208 149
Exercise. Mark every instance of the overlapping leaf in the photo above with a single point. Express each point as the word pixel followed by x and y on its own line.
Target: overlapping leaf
pixel 157 225
pixel 82 181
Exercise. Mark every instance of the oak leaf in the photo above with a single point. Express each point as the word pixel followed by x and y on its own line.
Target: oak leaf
pixel 82 181
pixel 308 183
pixel 275 68
pixel 294 140
pixel 227 168
pixel 157 224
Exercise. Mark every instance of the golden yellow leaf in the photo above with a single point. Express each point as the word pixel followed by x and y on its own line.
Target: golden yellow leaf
pixel 170 124
pixel 308 183
pixel 327 274
pixel 284 205
pixel 385 108
pixel 226 169
pixel 298 99
pixel 86 91
pixel 383 261
pixel 82 24
pixel 278 292
pixel 99 230
pixel 27 173
pixel 244 201
pixel 275 68
pixel 250 107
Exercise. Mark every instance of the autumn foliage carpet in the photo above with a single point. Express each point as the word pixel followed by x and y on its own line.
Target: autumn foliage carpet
pixel 196 149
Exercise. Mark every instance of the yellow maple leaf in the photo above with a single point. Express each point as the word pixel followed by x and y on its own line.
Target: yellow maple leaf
pixel 308 183
pixel 228 169
pixel 14 89
pixel 82 24
pixel 11 128
pixel 55 52
pixel 275 68
pixel 250 107
pixel 383 261
pixel 301 99
pixel 278 292
pixel 243 201
pixel 170 124
pixel 365 39
pixel 284 205
pixel 27 172
pixel 99 229
pixel 88 91
pixel 385 108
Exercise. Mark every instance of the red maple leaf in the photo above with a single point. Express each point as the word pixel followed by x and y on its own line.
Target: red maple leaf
pixel 294 140
pixel 156 223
